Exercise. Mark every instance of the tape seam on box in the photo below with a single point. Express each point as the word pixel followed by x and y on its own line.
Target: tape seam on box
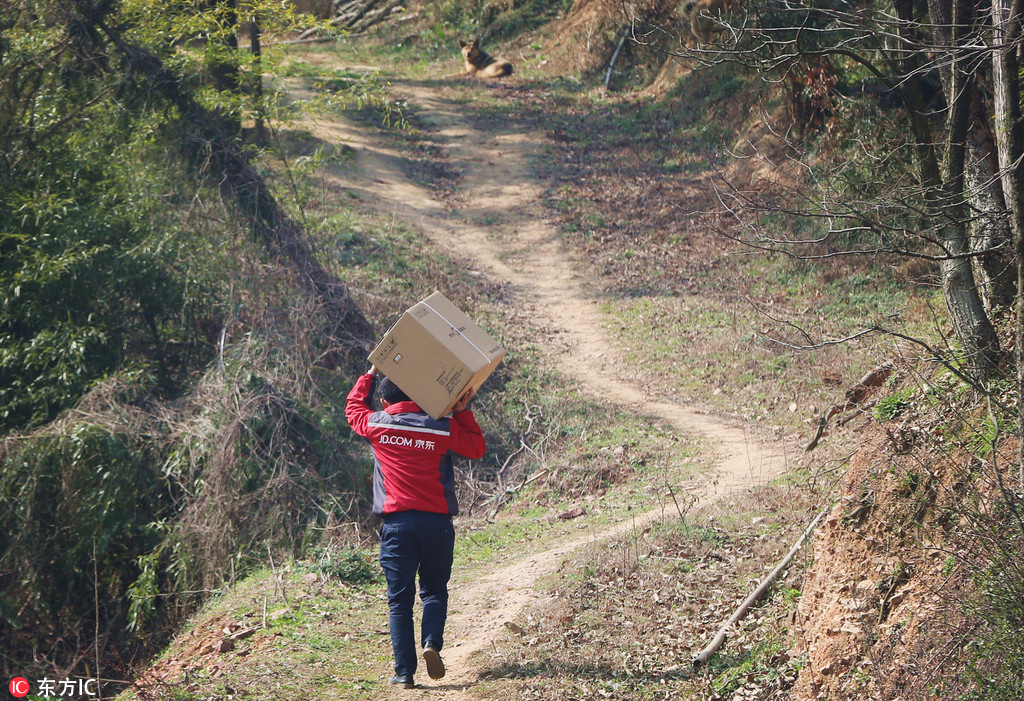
pixel 486 357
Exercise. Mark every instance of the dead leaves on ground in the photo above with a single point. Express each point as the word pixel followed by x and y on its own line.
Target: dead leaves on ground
pixel 625 621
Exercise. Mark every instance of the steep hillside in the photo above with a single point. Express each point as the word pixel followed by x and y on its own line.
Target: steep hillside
pixel 914 591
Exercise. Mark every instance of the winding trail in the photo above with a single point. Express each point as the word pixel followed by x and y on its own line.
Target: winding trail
pixel 517 245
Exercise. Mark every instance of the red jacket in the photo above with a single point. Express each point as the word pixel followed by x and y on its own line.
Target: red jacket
pixel 412 453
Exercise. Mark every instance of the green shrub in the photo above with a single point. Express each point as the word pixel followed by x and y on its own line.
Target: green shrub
pixel 76 511
pixel 891 406
pixel 348 565
pixel 997 646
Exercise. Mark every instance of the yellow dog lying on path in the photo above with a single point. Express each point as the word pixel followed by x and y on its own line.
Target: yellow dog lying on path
pixel 481 63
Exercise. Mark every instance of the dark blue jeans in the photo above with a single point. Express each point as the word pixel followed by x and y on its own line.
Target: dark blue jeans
pixel 412 541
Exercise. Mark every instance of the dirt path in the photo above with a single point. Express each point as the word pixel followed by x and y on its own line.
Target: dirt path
pixel 517 245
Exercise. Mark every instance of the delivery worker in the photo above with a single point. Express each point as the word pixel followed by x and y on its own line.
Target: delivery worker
pixel 414 492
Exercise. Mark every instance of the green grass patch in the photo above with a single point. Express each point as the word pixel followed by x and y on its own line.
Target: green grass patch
pixel 318 635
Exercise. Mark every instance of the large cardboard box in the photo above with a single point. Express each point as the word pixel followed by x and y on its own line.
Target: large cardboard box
pixel 435 353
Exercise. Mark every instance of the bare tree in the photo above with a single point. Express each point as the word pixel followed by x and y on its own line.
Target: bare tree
pixel 944 76
pixel 1007 16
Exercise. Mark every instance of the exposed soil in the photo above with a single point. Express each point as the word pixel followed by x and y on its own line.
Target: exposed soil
pixel 883 611
pixel 499 228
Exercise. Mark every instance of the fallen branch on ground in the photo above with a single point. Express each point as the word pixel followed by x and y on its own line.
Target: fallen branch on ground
pixel 719 639
pixel 854 397
pixel 615 56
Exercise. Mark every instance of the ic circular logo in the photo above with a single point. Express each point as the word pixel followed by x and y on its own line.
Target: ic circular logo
pixel 19 687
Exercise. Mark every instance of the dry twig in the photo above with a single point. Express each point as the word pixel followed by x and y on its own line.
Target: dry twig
pixel 719 639
pixel 854 397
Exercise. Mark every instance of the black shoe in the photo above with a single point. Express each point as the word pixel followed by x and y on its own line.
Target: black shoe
pixel 403 680
pixel 435 665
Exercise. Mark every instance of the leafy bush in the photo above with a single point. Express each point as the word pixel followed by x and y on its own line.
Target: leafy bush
pixel 92 274
pixel 348 565
pixel 891 406
pixel 997 647
pixel 85 288
pixel 76 510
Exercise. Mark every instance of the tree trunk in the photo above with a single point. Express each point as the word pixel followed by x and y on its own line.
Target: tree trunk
pixel 225 73
pixel 1006 20
pixel 257 83
pixel 967 312
pixel 945 195
pixel 991 231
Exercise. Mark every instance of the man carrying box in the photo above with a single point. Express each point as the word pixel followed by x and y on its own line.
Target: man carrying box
pixel 414 492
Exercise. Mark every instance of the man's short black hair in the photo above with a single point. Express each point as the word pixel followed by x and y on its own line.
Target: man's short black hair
pixel 390 392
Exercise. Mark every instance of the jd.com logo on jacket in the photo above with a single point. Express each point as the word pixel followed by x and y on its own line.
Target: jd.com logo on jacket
pixel 422 443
